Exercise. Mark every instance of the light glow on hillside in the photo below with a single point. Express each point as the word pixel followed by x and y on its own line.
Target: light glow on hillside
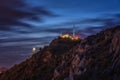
pixel 67 36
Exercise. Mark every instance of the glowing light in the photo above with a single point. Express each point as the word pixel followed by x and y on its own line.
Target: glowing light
pixel 67 36
pixel 75 37
pixel 34 49
pixel 64 36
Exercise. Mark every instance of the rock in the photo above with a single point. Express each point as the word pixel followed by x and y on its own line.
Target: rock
pixel 97 57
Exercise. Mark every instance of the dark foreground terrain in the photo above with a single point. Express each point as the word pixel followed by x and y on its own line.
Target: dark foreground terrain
pixel 95 58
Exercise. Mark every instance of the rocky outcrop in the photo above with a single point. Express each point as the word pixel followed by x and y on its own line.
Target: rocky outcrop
pixel 95 58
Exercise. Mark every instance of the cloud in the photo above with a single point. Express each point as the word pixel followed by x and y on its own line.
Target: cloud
pixel 117 15
pixel 14 50
pixel 106 20
pixel 59 30
pixel 96 20
pixel 14 12
pixel 88 26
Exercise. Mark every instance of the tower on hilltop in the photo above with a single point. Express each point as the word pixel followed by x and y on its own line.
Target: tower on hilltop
pixel 74 30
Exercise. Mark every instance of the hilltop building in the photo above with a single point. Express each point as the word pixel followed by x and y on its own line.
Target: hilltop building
pixel 72 37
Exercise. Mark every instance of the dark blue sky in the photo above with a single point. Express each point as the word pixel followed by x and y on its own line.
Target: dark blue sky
pixel 34 23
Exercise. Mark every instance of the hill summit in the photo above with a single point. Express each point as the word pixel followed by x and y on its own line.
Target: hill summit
pixel 96 57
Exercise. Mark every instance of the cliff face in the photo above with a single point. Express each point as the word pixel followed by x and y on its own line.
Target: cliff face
pixel 95 58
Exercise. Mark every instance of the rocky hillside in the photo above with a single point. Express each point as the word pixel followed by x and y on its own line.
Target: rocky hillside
pixel 2 69
pixel 95 58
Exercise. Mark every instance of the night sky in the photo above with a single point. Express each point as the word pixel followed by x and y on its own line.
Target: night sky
pixel 34 23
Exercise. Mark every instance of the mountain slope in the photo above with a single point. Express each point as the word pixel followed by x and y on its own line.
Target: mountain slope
pixel 95 58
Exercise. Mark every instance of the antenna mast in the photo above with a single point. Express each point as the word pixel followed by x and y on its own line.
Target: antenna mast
pixel 73 31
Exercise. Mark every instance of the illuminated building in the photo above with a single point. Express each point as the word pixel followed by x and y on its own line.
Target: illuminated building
pixel 68 36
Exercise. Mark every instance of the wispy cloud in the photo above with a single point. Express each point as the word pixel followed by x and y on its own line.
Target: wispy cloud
pixel 18 34
pixel 13 11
